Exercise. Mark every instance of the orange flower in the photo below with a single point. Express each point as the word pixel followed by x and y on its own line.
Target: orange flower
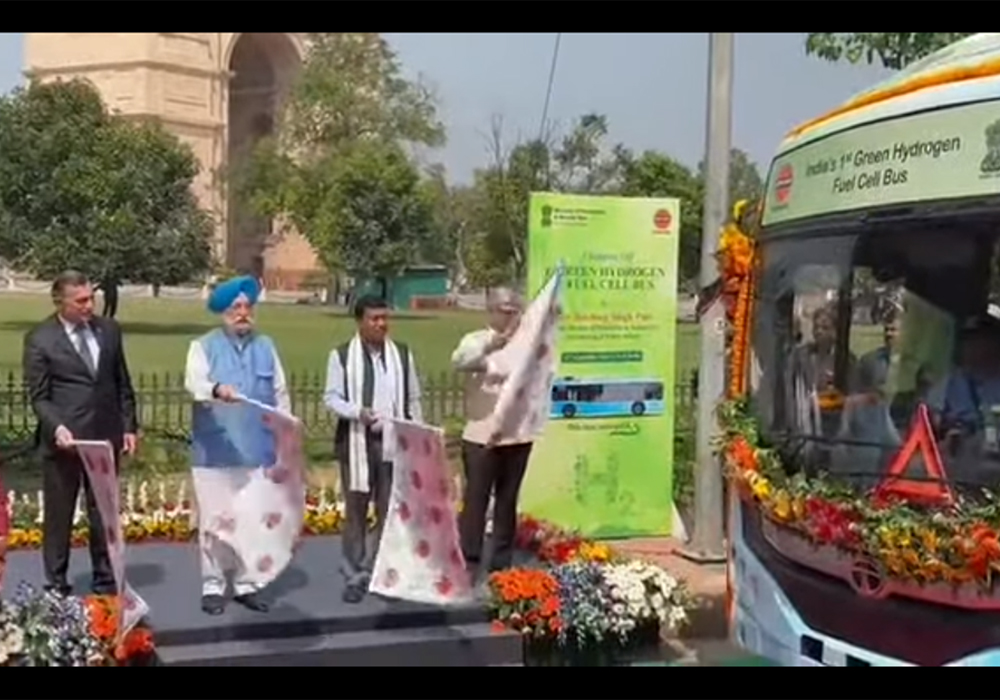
pixel 102 614
pixel 137 642
pixel 742 455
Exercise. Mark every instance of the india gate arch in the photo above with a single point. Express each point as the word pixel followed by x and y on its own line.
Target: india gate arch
pixel 262 68
pixel 194 84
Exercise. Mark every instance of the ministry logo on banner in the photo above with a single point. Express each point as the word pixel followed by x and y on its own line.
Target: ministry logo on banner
pixel 529 363
pixel 98 459
pixel 419 557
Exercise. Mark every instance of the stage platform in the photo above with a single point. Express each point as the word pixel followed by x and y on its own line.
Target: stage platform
pixel 308 624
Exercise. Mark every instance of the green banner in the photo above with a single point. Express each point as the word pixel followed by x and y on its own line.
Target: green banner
pixel 947 153
pixel 604 465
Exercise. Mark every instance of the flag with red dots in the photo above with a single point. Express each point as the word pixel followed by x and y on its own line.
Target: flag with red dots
pixel 260 511
pixel 529 364
pixel 419 558
pixel 98 459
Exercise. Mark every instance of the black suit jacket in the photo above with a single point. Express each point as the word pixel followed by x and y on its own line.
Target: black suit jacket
pixel 63 391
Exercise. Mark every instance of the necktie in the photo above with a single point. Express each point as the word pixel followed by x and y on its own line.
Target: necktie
pixel 83 347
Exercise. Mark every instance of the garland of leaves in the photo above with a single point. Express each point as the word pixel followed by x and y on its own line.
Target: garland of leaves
pixel 954 544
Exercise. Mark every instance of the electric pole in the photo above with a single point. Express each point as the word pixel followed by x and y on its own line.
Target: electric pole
pixel 707 544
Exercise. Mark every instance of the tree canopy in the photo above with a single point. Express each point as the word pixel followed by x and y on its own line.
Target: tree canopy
pixel 581 162
pixel 339 169
pixel 889 50
pixel 83 189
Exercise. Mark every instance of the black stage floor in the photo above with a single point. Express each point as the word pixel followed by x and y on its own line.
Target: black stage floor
pixel 308 623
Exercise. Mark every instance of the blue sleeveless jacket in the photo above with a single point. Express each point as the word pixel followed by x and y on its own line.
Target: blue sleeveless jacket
pixel 234 435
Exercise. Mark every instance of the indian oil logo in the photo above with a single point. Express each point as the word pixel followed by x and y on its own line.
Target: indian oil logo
pixel 783 184
pixel 662 220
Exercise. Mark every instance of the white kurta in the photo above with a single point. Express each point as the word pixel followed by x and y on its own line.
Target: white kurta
pixel 216 488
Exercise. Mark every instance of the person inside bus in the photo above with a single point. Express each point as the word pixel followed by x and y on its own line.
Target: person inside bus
pixel 869 430
pixel 963 402
pixel 812 373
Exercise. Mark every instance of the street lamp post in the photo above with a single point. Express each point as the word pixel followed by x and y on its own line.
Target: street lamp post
pixel 707 544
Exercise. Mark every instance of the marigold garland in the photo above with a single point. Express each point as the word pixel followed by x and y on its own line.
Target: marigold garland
pixel 736 257
pixel 956 545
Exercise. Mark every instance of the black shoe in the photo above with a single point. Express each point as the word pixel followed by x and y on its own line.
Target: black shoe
pixel 354 593
pixel 213 604
pixel 104 589
pixel 251 601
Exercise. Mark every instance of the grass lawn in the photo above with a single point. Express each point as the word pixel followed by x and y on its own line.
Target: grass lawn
pixel 157 332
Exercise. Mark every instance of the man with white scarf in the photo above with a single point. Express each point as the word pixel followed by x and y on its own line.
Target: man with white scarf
pixel 369 380
pixel 230 439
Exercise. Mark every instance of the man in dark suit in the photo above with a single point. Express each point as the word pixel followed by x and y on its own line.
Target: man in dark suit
pixel 80 389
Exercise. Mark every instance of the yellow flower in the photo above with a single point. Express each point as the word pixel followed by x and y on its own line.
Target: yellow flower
pixel 781 505
pixel 799 508
pixel 930 541
pixel 895 539
pixel 759 486
pixel 594 552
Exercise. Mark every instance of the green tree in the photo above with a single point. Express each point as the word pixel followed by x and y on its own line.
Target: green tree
pixel 83 189
pixel 890 50
pixel 384 213
pixel 653 174
pixel 580 162
pixel 350 102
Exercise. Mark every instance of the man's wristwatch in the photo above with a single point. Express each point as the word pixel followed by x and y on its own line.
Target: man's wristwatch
pixel 215 391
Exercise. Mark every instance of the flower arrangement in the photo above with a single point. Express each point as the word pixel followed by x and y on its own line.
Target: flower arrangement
pixel 44 629
pixel 150 514
pixel 552 545
pixel 587 597
pixel 954 544
pixel 526 601
pixel 135 648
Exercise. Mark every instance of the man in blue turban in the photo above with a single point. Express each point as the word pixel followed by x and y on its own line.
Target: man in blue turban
pixel 230 438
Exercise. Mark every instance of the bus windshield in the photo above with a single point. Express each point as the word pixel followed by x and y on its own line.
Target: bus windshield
pixel 856 328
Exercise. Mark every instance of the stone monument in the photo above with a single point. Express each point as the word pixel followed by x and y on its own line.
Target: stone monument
pixel 219 93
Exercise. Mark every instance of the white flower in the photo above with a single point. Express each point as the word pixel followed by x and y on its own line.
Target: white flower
pixel 11 643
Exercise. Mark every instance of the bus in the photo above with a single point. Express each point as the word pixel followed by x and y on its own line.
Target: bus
pixel 896 190
pixel 606 398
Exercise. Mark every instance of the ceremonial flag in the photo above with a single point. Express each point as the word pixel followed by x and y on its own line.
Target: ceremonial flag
pixel 419 558
pixel 98 459
pixel 259 511
pixel 529 363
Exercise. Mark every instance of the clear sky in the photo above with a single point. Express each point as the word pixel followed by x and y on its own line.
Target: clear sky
pixel 651 87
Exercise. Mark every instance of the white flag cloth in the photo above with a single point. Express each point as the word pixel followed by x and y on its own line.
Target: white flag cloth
pixel 529 362
pixel 98 459
pixel 257 513
pixel 419 557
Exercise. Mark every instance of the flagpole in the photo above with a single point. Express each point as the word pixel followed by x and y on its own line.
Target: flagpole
pixel 707 544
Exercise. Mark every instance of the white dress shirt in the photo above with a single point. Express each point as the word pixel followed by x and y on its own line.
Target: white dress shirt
pixel 383 394
pixel 88 337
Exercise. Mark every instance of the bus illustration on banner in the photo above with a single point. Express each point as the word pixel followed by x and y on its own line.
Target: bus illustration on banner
pixel 606 398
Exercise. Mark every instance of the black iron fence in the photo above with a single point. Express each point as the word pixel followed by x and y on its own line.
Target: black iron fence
pixel 165 407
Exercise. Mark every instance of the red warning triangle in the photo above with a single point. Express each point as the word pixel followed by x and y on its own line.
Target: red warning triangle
pixel 933 491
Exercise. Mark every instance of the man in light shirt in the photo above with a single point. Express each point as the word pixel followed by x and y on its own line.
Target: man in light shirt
pixel 229 438
pixel 369 380
pixel 490 469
